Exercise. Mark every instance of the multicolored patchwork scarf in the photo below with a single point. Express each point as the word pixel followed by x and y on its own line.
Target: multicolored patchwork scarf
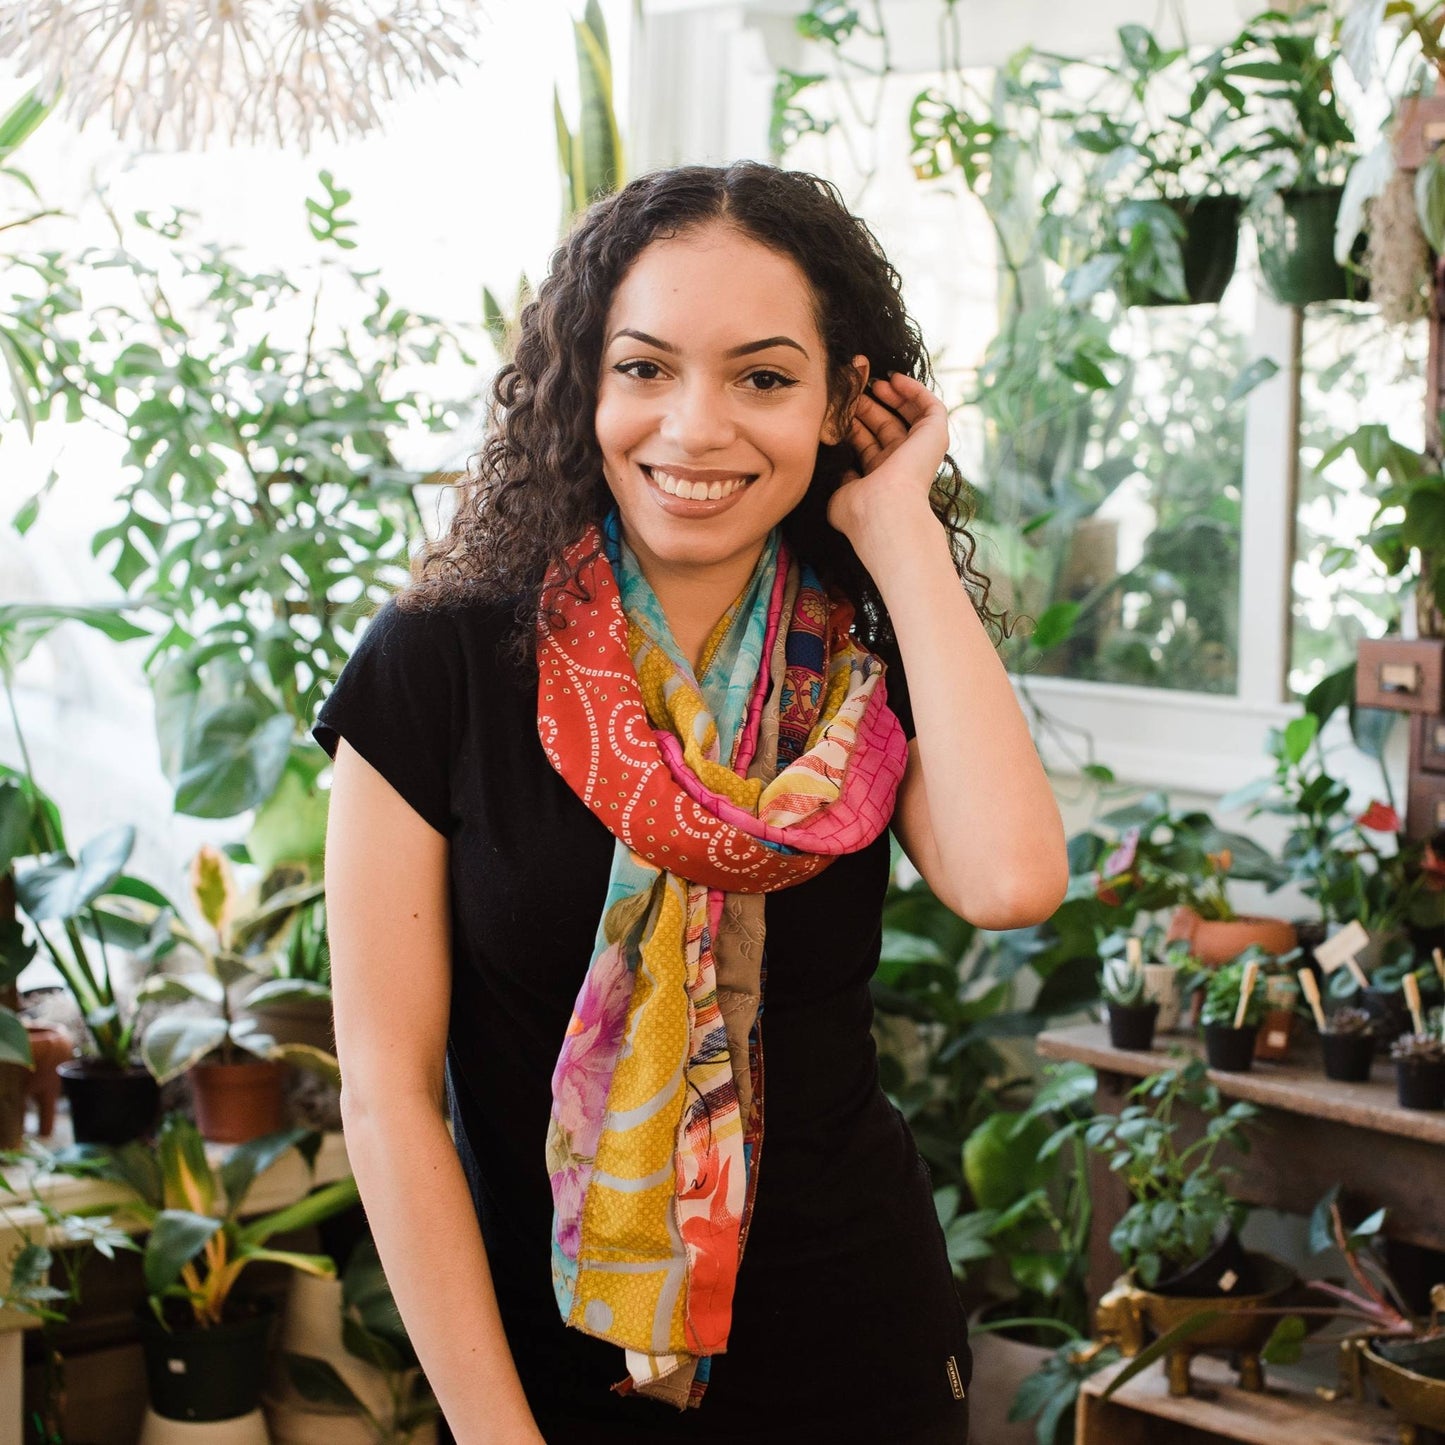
pixel 751 775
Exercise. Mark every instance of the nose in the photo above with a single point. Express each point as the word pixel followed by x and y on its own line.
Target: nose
pixel 698 418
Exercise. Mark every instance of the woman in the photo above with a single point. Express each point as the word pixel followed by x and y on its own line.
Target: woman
pixel 608 834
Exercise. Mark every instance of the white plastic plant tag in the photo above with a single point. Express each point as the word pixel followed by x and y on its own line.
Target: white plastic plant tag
pixel 1335 951
pixel 176 1367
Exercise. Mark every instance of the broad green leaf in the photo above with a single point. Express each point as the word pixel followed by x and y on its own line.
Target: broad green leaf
pixel 176 1238
pixel 171 1045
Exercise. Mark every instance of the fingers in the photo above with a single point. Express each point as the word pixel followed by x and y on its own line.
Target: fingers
pixel 910 398
pixel 865 443
pixel 888 428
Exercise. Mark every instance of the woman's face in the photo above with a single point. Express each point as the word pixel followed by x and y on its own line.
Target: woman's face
pixel 712 398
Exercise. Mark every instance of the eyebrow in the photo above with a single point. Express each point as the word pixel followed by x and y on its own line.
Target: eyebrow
pixel 746 349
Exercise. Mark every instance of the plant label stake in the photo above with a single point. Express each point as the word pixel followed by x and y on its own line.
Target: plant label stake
pixel 1340 950
pixel 1251 972
pixel 1312 995
pixel 1440 964
pixel 1412 997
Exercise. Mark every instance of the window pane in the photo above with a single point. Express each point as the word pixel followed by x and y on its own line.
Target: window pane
pixel 1355 370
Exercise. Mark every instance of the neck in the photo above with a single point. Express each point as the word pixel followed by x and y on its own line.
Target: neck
pixel 694 597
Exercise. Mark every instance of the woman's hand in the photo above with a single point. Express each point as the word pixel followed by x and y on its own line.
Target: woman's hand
pixel 900 458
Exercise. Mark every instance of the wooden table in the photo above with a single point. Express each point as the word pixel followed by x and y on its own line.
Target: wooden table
pixel 1312 1133
pixel 1143 1412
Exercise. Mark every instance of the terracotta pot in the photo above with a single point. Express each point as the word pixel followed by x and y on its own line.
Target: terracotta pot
pixel 51 1045
pixel 236 1102
pixel 14 1083
pixel 1275 1032
pixel 1214 942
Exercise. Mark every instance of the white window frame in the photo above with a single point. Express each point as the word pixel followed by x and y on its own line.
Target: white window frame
pixel 702 87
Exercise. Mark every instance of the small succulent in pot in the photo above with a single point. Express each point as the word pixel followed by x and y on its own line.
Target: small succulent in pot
pixel 1347 1019
pixel 1420 1065
pixel 1132 1014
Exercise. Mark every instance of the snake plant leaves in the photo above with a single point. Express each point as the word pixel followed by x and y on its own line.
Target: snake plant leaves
pixel 61 888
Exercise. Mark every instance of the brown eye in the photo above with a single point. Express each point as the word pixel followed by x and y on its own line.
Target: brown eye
pixel 642 370
pixel 770 380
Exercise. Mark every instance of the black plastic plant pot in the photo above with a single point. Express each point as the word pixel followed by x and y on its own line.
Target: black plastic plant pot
pixel 1424 1357
pixel 1421 1083
pixel 217 1373
pixel 1224 1270
pixel 1296 233
pixel 109 1105
pixel 1131 1026
pixel 1348 1057
pixel 1229 1048
pixel 1210 248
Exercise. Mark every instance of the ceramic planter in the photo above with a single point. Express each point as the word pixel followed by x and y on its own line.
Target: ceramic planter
pixel 1131 1026
pixel 1229 1048
pixel 243 1430
pixel 1348 1057
pixel 108 1105
pixel 312 1326
pixel 215 1373
pixel 236 1102
pixel 1414 1390
pixel 1214 942
pixel 1005 1363
pixel 1420 1083
pixel 1296 234
pixel 1161 983
pixel 1130 1312
pixel 1210 247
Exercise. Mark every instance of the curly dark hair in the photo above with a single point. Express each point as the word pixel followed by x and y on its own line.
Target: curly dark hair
pixel 537 481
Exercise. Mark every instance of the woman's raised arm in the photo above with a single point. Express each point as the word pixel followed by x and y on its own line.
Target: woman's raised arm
pixel 388 920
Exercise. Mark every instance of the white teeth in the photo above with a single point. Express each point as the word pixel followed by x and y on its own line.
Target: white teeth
pixel 696 491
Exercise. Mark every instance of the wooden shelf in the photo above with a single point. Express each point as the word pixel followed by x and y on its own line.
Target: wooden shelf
pixel 1296 1087
pixel 1284 1414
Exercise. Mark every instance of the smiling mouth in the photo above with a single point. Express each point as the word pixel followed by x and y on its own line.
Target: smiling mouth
pixel 697 490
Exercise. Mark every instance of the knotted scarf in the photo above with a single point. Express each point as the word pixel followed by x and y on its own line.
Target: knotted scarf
pixel 752 775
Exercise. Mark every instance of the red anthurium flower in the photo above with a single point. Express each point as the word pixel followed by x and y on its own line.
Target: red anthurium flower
pixel 1379 818
pixel 1107 895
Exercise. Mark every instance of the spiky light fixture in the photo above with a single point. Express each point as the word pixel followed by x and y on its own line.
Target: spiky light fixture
pixel 182 72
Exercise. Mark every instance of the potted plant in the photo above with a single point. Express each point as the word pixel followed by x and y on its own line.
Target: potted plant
pixel 1179 1235
pixel 1307 147
pixel 1025 1244
pixel 1184 860
pixel 346 1352
pixel 1233 1010
pixel 205 1342
pixel 1132 1014
pixel 1164 185
pixel 46 1272
pixel 1347 1036
pixel 1420 1066
pixel 236 1072
pixel 70 904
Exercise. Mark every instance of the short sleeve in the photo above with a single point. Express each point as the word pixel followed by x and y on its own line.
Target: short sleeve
pixel 896 681
pixel 394 703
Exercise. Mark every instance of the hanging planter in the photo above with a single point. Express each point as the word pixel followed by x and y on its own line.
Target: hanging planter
pixel 1296 234
pixel 1209 247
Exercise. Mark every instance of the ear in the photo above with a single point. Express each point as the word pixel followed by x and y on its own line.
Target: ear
pixel 835 427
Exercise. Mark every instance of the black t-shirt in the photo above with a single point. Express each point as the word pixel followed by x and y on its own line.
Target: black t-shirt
pixel 845 1315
